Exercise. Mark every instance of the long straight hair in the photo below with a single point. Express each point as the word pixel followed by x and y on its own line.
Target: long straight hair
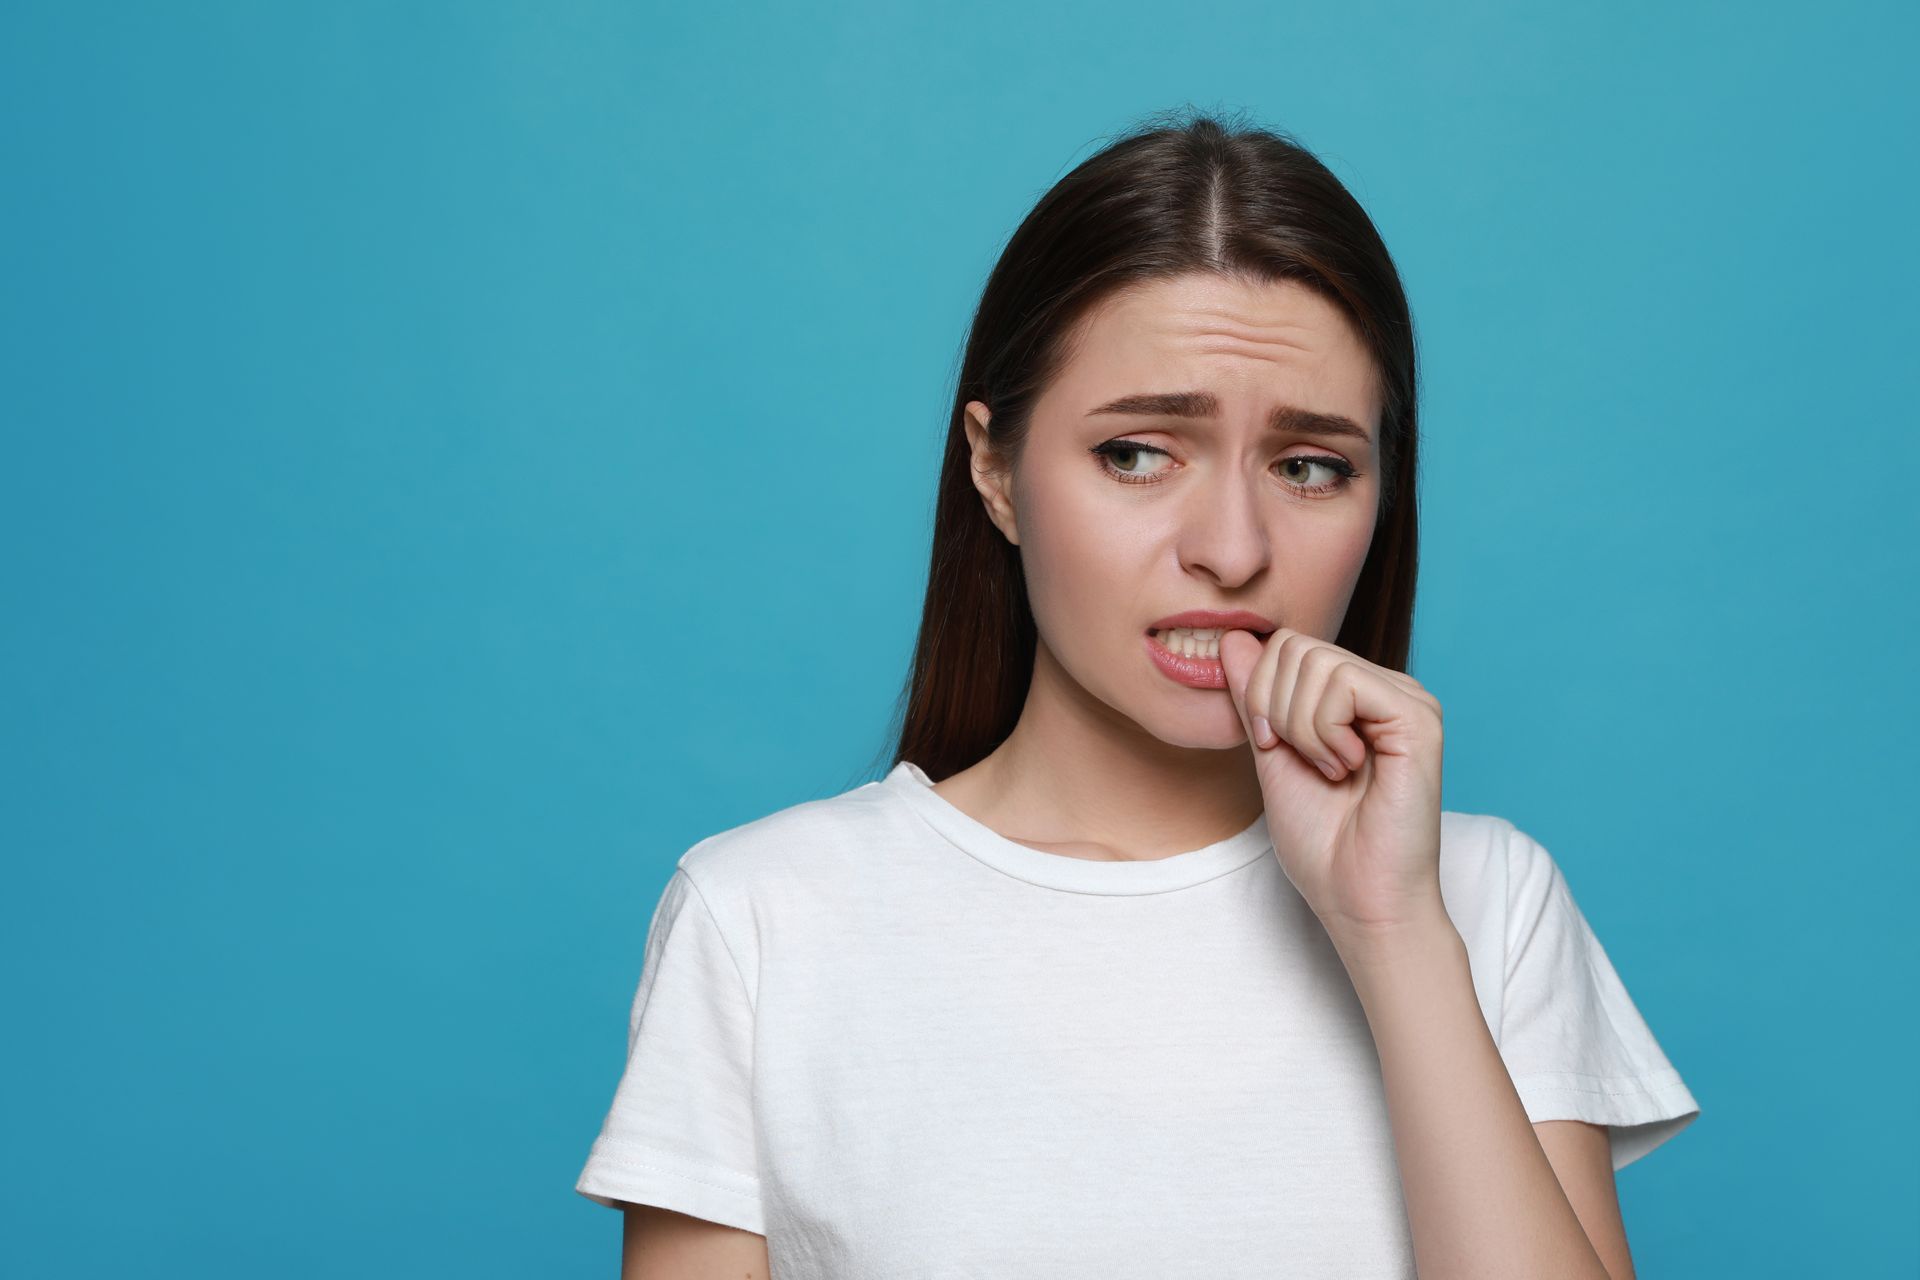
pixel 1186 192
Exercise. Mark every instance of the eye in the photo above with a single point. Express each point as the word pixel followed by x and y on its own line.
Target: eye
pixel 1342 469
pixel 1121 459
pixel 1127 452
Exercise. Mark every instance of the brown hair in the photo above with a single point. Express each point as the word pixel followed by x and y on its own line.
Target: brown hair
pixel 1185 192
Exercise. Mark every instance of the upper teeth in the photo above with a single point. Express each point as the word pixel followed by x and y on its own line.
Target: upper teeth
pixel 1193 642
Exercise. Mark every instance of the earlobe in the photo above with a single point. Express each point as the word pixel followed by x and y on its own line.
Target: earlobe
pixel 993 488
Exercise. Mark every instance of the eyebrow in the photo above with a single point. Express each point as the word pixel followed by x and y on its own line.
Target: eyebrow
pixel 1203 404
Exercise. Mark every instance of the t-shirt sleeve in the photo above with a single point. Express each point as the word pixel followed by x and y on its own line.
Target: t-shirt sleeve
pixel 680 1133
pixel 1574 1044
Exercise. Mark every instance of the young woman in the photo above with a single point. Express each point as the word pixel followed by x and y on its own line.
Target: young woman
pixel 1154 954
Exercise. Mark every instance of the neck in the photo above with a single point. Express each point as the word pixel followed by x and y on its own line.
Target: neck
pixel 1074 772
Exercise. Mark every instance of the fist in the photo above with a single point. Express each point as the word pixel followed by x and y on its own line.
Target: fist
pixel 1348 755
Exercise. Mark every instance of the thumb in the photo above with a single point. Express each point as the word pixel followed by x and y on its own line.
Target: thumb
pixel 1239 653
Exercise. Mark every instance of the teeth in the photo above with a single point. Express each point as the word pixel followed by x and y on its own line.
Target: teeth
pixel 1193 642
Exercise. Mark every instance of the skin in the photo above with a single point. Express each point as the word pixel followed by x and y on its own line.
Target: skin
pixel 1110 759
pixel 661 1244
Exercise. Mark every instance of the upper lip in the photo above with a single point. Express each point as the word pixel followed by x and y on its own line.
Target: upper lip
pixel 1225 619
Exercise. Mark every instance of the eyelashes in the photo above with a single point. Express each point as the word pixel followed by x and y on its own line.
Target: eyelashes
pixel 1109 451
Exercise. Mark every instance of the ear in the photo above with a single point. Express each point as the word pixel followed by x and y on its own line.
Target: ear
pixel 991 476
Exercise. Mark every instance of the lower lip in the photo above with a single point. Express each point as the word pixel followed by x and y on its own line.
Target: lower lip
pixel 1198 673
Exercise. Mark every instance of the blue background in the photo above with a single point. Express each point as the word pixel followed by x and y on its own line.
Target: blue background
pixel 458 455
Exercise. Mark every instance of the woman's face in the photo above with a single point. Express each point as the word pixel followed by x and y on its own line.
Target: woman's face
pixel 1226 498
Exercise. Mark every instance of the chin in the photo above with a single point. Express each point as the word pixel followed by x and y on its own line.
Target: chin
pixel 1197 730
pixel 1192 719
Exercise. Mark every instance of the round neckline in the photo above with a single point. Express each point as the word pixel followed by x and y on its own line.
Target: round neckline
pixel 1063 871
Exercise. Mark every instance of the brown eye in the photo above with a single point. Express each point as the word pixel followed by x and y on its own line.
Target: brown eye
pixel 1343 471
pixel 1122 459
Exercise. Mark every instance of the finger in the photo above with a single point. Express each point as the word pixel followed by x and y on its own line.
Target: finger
pixel 1359 697
pixel 1240 654
pixel 1292 661
pixel 1339 706
pixel 1260 686
pixel 1400 678
pixel 1307 727
pixel 1289 648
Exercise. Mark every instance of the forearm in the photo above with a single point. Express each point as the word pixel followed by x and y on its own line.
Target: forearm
pixel 1482 1199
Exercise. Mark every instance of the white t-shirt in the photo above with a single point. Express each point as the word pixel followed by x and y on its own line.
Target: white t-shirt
pixel 899 1044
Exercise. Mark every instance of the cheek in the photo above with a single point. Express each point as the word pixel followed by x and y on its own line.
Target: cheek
pixel 1081 567
pixel 1334 549
pixel 1322 579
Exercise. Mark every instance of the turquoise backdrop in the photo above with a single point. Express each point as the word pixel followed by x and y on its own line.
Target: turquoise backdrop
pixel 460 454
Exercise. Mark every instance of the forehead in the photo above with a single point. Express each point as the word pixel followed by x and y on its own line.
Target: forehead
pixel 1251 343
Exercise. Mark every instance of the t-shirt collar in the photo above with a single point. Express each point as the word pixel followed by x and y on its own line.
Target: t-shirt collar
pixel 1062 871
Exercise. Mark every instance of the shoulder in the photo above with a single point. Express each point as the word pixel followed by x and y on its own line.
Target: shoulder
pixel 789 879
pixel 1476 839
pixel 1476 843
pixel 1480 856
pixel 804 842
pixel 1495 876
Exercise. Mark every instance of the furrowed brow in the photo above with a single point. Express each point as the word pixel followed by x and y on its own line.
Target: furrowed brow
pixel 1286 418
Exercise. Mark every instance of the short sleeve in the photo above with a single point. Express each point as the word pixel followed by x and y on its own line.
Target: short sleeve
pixel 680 1133
pixel 1574 1044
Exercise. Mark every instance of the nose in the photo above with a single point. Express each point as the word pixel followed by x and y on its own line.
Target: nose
pixel 1222 535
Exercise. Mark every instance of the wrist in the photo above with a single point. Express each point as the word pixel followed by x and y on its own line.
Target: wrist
pixel 1413 943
